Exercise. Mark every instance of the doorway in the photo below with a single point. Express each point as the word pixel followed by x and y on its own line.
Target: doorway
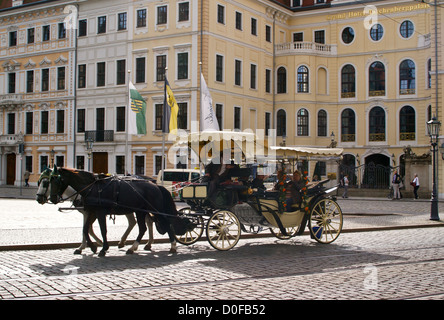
pixel 10 169
pixel 100 162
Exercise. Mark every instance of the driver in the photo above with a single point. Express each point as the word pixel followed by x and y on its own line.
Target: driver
pixel 293 191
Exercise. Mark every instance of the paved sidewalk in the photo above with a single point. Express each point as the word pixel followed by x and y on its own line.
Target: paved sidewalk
pixel 26 224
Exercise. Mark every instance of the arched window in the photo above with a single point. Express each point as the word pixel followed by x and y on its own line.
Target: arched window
pixel 376 79
pixel 322 123
pixel 303 122
pixel 281 123
pixel 407 126
pixel 348 81
pixel 377 124
pixel 303 78
pixel 282 80
pixel 407 81
pixel 348 125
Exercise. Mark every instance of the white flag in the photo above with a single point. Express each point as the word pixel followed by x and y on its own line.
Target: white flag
pixel 208 120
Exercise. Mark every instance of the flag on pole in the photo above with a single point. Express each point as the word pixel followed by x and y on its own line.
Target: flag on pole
pixel 136 112
pixel 170 111
pixel 208 120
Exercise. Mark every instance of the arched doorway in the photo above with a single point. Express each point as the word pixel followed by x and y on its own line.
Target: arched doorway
pixel 377 172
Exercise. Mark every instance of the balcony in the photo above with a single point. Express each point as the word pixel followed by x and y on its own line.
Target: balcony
pixel 100 135
pixel 11 99
pixel 9 139
pixel 301 47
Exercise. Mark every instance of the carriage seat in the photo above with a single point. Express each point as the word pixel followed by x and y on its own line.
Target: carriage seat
pixel 195 191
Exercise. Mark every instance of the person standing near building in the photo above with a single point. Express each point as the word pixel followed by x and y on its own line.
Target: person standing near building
pixel 345 185
pixel 26 177
pixel 415 185
pixel 396 181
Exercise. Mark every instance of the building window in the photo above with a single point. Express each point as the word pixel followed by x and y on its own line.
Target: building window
pixel 158 116
pixel 296 3
pixel 407 126
pixel 80 162
pixel 407 29
pixel 348 35
pixel 298 37
pixel 267 33
pixel 31 35
pixel 62 30
pixel 29 122
pixel 120 164
pixel 44 117
pixel 303 121
pixel 348 126
pixel 407 83
pixel 46 33
pixel 140 70
pixel 238 21
pixel 319 36
pixel 11 82
pixel 11 123
pixel 12 38
pixel 182 65
pixel 429 73
pixel 82 76
pixel 101 73
pixel 81 120
pixel 83 28
pixel 45 80
pixel 139 162
pixel 157 164
pixel 377 79
pixel 254 26
pixel 44 163
pixel 348 82
pixel 376 32
pixel 219 68
pixel 120 119
pixel 182 116
pixel 100 120
pixel 60 121
pixel 267 80
pixel 28 163
pixel 162 15
pixel 322 123
pixel 30 81
pixel 61 78
pixel 281 80
pixel 184 11
pixel 377 124
pixel 237 72
pixel 121 72
pixel 267 123
pixel 141 18
pixel 303 79
pixel 160 67
pixel 253 76
pixel 281 123
pixel 101 24
pixel 237 118
pixel 220 14
pixel 219 115
pixel 122 21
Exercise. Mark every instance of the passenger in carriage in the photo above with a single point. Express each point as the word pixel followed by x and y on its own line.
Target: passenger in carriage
pixel 293 191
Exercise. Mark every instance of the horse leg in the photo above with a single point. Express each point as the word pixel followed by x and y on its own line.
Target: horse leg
pixel 149 223
pixel 86 225
pixel 173 242
pixel 131 224
pixel 142 229
pixel 102 222
pixel 83 245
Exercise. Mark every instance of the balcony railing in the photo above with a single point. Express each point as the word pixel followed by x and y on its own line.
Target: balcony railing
pixel 100 135
pixel 306 47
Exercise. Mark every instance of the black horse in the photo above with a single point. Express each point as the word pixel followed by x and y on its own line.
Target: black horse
pixel 114 195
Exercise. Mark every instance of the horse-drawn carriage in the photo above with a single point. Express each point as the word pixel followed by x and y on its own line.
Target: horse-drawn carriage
pixel 239 207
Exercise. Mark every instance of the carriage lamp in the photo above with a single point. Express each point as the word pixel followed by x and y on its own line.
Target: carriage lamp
pixel 433 127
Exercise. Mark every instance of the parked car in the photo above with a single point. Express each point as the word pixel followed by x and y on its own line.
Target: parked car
pixel 175 179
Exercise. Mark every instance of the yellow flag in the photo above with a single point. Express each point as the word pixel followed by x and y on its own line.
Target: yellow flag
pixel 171 109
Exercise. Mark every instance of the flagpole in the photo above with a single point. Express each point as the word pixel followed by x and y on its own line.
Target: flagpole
pixel 127 157
pixel 163 134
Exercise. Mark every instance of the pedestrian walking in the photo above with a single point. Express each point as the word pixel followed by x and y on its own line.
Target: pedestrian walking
pixel 26 177
pixel 345 185
pixel 396 184
pixel 415 185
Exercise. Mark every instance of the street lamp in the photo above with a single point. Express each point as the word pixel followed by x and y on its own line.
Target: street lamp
pixel 433 127
pixel 52 157
pixel 89 147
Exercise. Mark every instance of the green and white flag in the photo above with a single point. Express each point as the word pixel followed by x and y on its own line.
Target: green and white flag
pixel 136 112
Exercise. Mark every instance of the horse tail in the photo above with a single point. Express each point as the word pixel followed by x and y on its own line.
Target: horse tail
pixel 180 224
pixel 168 202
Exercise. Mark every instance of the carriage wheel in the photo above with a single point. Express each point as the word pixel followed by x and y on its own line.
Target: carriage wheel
pixel 223 230
pixel 194 235
pixel 325 221
pixel 278 233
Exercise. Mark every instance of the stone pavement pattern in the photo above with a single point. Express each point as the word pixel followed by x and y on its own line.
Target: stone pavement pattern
pixel 397 264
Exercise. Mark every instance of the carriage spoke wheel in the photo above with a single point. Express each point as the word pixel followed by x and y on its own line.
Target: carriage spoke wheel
pixel 223 230
pixel 291 232
pixel 194 235
pixel 325 221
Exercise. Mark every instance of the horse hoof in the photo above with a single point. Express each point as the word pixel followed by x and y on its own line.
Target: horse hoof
pixel 147 248
pixel 173 251
pixel 120 245
pixel 102 253
pixel 94 249
pixel 129 251
pixel 78 251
